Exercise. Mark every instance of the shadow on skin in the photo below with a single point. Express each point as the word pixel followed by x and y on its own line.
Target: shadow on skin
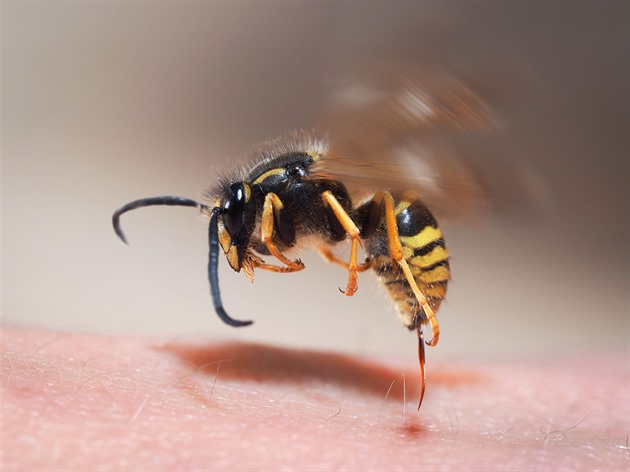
pixel 264 363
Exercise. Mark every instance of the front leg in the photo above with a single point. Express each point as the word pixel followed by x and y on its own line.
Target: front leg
pixel 258 263
pixel 274 213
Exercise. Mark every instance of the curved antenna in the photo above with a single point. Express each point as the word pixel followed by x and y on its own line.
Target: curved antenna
pixel 213 236
pixel 213 273
pixel 144 202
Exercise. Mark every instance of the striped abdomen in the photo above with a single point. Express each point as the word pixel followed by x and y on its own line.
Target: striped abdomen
pixel 425 252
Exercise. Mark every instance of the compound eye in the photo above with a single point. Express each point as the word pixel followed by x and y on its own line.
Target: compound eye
pixel 233 209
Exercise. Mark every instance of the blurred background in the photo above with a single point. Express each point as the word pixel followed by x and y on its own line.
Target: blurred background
pixel 106 102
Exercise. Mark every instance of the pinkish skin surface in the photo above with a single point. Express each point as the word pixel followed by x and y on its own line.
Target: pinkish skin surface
pixel 85 402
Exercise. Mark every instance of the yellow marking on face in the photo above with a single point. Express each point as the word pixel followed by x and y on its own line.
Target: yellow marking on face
pixel 248 192
pixel 269 173
pixel 437 255
pixel 439 274
pixel 423 238
pixel 224 239
pixel 232 257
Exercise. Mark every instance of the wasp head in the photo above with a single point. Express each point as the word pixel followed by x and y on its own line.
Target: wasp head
pixel 236 223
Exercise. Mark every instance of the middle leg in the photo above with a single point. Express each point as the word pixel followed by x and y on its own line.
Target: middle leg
pixel 329 256
pixel 332 204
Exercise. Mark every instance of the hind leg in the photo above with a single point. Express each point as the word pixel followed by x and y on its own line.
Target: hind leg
pixel 396 253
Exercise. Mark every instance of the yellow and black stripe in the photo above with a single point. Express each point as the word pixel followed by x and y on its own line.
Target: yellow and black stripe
pixel 425 252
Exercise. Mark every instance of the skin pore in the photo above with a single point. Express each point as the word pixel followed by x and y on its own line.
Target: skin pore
pixel 88 402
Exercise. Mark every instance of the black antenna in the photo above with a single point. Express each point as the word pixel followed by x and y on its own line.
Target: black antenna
pixel 213 237
pixel 145 202
pixel 213 273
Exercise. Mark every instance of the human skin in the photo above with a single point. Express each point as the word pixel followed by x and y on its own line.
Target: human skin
pixel 87 402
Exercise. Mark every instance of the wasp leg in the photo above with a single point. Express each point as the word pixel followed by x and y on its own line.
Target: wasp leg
pixel 258 263
pixel 348 225
pixel 272 211
pixel 331 258
pixel 396 253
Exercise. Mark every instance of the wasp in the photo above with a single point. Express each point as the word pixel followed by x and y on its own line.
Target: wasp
pixel 316 190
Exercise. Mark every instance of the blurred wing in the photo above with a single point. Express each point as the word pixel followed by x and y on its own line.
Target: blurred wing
pixel 436 174
pixel 401 130
pixel 381 105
